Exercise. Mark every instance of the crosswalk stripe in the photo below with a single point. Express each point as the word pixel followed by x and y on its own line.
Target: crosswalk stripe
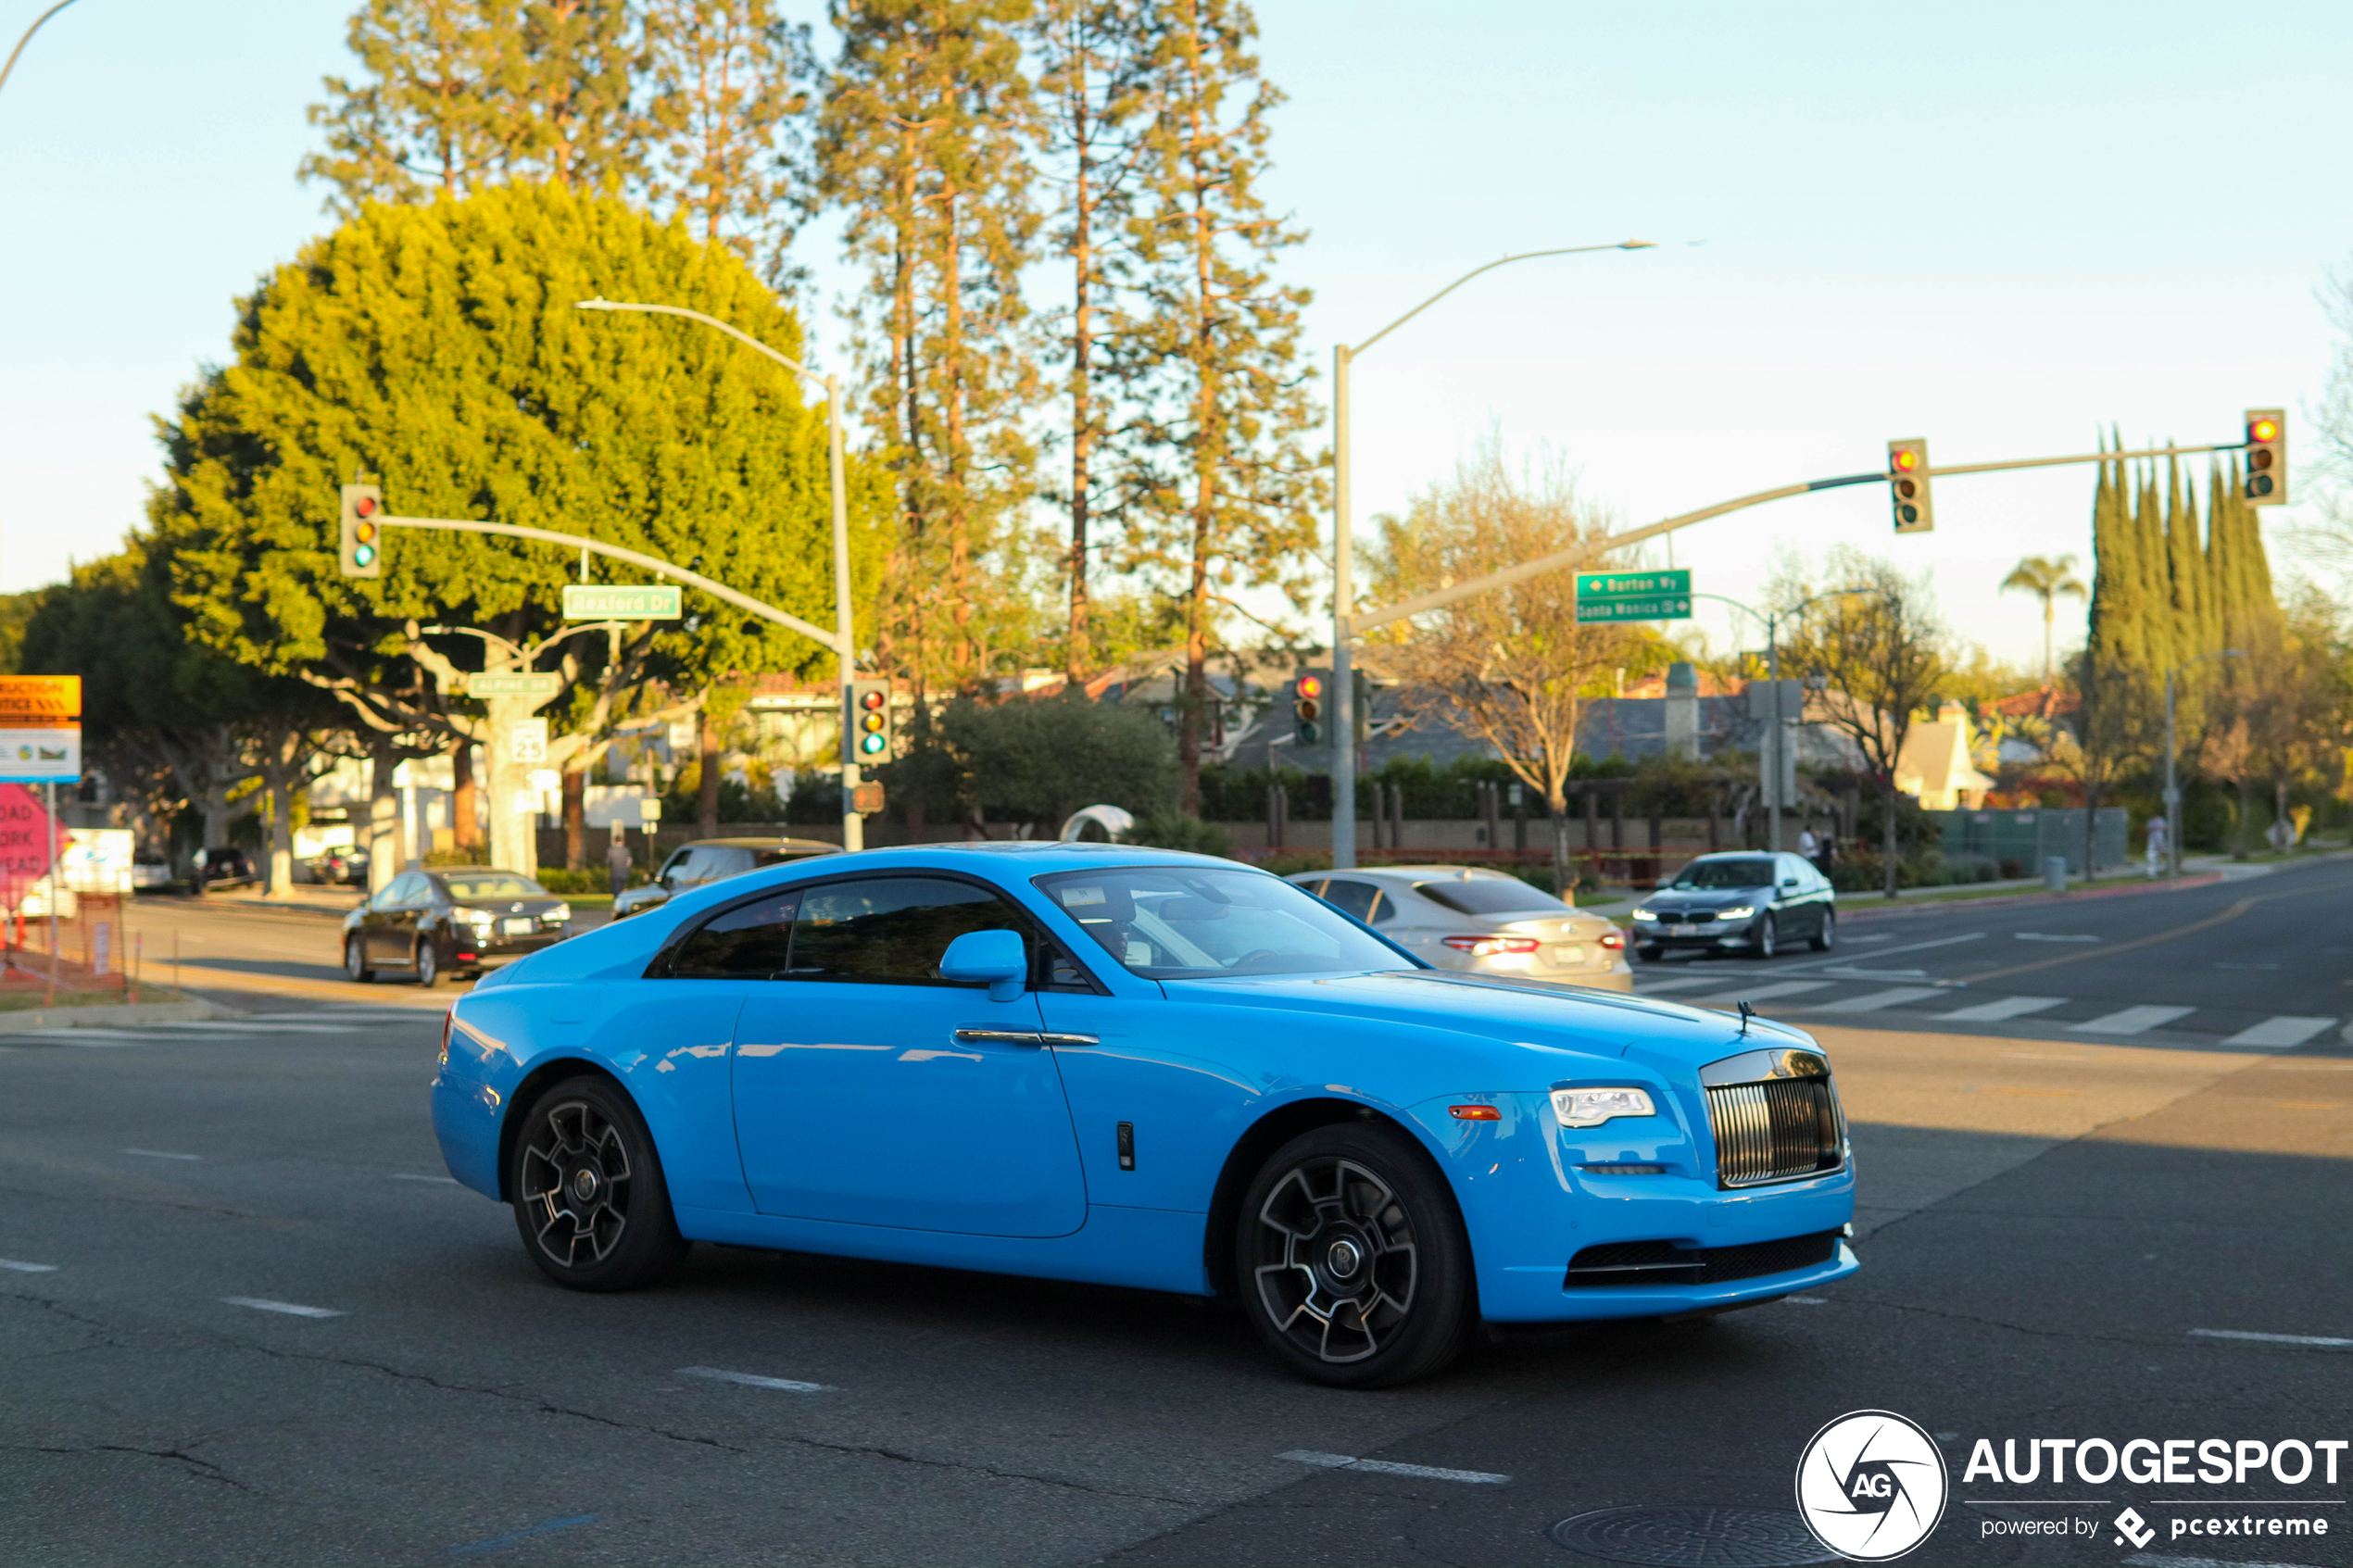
pixel 2004 1007
pixel 1759 993
pixel 2283 1030
pixel 2131 1021
pixel 1680 983
pixel 1871 1001
pixel 255 1026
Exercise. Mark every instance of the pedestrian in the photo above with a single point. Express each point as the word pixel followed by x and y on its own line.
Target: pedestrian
pixel 2159 858
pixel 1808 847
pixel 617 860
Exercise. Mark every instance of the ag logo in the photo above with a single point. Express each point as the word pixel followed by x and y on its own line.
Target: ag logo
pixel 1872 1486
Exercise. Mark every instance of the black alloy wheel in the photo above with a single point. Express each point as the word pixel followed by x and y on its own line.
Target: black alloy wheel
pixel 1767 940
pixel 356 967
pixel 428 962
pixel 1827 938
pixel 1352 1260
pixel 588 1194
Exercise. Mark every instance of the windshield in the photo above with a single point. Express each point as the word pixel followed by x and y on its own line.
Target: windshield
pixel 1491 895
pixel 1173 923
pixel 1727 873
pixel 492 884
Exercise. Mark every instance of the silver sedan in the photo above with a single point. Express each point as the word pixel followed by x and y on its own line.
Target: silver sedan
pixel 1487 923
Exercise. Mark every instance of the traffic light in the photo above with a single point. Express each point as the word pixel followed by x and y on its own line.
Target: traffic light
pixel 870 721
pixel 1908 486
pixel 2266 457
pixel 362 552
pixel 1307 707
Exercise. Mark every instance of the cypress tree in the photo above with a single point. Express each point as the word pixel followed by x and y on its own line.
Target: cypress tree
pixel 2157 588
pixel 2185 566
pixel 2115 620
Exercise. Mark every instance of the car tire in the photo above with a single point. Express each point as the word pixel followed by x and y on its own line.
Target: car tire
pixel 427 962
pixel 1352 1260
pixel 1827 938
pixel 356 967
pixel 588 1191
pixel 1650 955
pixel 1767 940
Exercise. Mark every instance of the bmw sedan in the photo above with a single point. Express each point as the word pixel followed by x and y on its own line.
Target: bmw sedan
pixel 1479 922
pixel 1744 902
pixel 1139 1068
pixel 464 921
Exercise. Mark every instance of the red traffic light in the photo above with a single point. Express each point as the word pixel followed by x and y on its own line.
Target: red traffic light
pixel 1311 686
pixel 2263 429
pixel 365 506
pixel 872 701
pixel 1905 461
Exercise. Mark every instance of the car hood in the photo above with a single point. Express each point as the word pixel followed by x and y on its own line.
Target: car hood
pixel 1504 1018
pixel 1704 898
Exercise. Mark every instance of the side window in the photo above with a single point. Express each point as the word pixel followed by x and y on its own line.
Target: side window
pixel 749 942
pixel 1359 899
pixel 407 890
pixel 679 870
pixel 892 931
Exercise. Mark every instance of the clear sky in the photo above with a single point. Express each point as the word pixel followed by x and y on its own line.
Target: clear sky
pixel 2002 227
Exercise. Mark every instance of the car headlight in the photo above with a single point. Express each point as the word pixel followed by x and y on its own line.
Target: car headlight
pixel 1738 911
pixel 1645 915
pixel 481 920
pixel 1591 1108
pixel 560 915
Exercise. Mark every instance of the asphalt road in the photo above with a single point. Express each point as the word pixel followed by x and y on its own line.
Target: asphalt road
pixel 2063 1237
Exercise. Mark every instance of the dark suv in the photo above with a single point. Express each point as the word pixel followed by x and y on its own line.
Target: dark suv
pixel 712 860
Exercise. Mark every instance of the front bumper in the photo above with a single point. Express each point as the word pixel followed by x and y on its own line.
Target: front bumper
pixel 1707 934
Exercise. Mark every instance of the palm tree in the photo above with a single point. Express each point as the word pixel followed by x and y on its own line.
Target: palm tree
pixel 2046 577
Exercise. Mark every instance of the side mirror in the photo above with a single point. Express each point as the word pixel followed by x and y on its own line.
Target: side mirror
pixel 995 958
pixel 1789 882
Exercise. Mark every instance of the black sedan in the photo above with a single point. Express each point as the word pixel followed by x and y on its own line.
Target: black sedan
pixel 1752 903
pixel 714 859
pixel 457 922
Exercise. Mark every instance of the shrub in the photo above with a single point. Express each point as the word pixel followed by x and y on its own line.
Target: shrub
pixel 1174 830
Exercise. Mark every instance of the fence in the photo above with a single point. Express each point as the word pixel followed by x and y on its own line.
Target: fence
pixel 2027 838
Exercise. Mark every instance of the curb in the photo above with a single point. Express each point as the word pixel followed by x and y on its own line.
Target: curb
pixel 119 1012
pixel 1947 906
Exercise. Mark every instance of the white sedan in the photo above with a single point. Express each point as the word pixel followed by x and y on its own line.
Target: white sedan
pixel 1487 923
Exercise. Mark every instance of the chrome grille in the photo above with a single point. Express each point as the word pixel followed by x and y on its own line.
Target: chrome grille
pixel 1780 1124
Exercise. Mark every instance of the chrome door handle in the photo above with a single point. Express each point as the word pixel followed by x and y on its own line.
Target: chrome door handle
pixel 1050 1038
pixel 999 1037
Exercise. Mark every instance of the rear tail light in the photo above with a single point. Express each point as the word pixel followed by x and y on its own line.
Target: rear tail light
pixel 1613 938
pixel 1480 947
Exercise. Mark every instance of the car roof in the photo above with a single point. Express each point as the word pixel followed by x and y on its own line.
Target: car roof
pixel 1414 874
pixel 798 845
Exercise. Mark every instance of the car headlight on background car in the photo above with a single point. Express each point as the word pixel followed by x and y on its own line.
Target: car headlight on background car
pixel 1645 915
pixel 1591 1108
pixel 560 915
pixel 1738 911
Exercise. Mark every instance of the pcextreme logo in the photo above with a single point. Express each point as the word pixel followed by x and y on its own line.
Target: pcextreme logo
pixel 1872 1486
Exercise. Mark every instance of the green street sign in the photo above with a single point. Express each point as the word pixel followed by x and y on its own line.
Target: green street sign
pixel 1633 595
pixel 525 683
pixel 623 601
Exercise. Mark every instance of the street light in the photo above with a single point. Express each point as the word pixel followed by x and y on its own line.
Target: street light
pixel 1773 673
pixel 853 826
pixel 2172 790
pixel 1343 580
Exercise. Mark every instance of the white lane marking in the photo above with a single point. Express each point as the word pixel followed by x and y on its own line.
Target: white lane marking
pixel 1847 972
pixel 1858 941
pixel 160 1154
pixel 1871 1001
pixel 1383 1467
pixel 753 1380
pixel 2160 1560
pixel 2131 1021
pixel 1760 992
pixel 2320 1339
pixel 405 1176
pixel 1888 952
pixel 291 1308
pixel 243 1026
pixel 15 1268
pixel 1683 983
pixel 2006 1007
pixel 2284 1030
pixel 1808 1301
pixel 2038 936
pixel 80 1034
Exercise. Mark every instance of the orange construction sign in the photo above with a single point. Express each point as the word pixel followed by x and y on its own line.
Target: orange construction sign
pixel 39 701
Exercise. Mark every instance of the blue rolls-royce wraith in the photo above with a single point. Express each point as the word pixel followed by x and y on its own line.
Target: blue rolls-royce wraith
pixel 1139 1068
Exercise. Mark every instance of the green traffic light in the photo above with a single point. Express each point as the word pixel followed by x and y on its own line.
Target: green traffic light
pixel 363 555
pixel 870 743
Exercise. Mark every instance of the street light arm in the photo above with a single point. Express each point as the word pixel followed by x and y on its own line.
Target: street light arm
pixel 43 16
pixel 743 337
pixel 1503 261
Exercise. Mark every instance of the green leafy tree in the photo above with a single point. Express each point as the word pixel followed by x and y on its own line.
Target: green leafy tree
pixel 924 139
pixel 1037 761
pixel 1230 499
pixel 438 348
pixel 458 94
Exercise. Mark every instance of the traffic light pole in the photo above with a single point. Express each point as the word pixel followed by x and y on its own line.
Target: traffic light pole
pixel 842 642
